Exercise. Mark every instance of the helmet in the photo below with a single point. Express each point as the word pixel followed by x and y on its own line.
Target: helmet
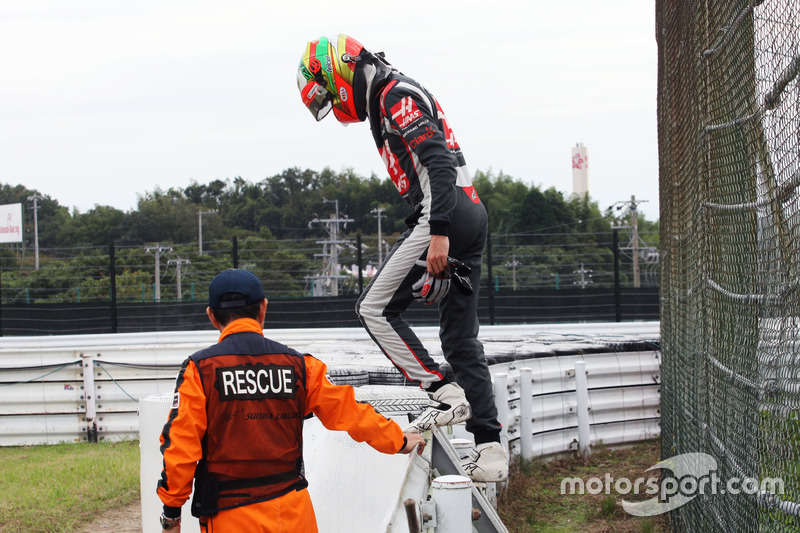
pixel 325 77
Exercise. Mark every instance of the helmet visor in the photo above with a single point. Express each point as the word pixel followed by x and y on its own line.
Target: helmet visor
pixel 317 99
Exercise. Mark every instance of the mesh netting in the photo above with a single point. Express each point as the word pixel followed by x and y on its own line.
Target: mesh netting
pixel 729 147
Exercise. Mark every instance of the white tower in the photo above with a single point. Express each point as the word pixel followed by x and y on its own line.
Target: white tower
pixel 580 170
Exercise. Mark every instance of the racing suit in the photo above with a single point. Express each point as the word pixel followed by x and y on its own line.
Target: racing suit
pixel 235 427
pixel 427 166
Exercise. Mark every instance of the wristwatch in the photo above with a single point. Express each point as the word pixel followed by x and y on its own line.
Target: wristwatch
pixel 169 523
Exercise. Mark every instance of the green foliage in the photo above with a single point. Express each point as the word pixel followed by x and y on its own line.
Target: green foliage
pixel 540 237
pixel 286 202
pixel 532 500
pixel 163 216
pixel 779 432
pixel 208 196
pixel 100 225
pixel 608 506
pixel 81 277
pixel 515 207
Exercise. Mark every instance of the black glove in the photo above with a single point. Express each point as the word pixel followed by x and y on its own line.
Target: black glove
pixel 460 275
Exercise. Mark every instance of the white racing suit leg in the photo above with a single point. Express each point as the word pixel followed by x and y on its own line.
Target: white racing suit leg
pixel 389 294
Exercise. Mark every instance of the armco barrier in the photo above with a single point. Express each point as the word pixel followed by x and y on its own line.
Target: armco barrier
pixel 539 408
pixel 86 388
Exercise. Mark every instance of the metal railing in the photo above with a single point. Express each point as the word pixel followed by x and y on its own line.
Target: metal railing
pixel 540 405
pixel 72 388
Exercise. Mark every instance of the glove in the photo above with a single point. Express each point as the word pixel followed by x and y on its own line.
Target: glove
pixel 460 275
pixel 431 289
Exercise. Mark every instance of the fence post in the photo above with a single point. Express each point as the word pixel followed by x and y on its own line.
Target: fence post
pixel 526 413
pixel 617 298
pixel 501 398
pixel 453 498
pixel 235 252
pixel 582 408
pixel 112 269
pixel 489 276
pixel 360 268
pixel 87 364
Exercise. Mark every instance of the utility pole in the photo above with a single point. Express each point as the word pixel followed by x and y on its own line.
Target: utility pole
pixel 333 267
pixel 379 210
pixel 584 273
pixel 200 227
pixel 178 262
pixel 157 250
pixel 634 244
pixel 35 198
pixel 330 248
pixel 513 264
pixel 635 238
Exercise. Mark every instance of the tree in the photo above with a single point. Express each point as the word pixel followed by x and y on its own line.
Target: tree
pixel 208 196
pixel 101 225
pixel 500 194
pixel 163 217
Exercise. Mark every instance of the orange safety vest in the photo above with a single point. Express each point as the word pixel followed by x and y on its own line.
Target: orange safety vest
pixel 255 403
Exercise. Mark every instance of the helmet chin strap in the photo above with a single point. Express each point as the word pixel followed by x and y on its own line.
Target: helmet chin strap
pixel 347 58
pixel 366 54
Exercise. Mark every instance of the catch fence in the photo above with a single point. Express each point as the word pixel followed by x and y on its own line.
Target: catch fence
pixel 729 158
pixel 526 278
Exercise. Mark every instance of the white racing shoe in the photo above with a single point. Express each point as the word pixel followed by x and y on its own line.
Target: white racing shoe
pixel 488 462
pixel 446 407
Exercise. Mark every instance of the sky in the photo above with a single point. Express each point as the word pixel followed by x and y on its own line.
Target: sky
pixel 102 102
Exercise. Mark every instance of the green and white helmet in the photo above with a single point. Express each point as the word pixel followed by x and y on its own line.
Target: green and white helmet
pixel 325 77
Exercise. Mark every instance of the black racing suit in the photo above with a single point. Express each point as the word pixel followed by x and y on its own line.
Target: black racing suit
pixel 426 165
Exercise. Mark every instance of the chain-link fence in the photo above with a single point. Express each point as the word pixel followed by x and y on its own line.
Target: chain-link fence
pixel 526 278
pixel 729 149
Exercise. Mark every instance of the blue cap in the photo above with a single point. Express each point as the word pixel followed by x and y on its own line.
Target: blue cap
pixel 235 280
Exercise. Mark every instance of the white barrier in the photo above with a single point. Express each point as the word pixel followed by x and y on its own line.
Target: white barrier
pixel 94 388
pixel 624 395
pixel 153 413
pixel 350 483
pixel 44 397
pixel 582 408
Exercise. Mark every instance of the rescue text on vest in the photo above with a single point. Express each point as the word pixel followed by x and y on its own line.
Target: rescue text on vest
pixel 255 382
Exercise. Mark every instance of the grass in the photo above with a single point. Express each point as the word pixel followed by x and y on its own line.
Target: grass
pixel 532 502
pixel 53 489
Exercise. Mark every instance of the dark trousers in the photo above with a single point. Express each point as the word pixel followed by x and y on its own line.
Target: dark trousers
pixel 388 295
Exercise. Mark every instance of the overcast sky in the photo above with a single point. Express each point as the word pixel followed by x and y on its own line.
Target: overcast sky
pixel 102 101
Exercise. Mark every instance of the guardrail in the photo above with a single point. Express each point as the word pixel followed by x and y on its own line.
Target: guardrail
pixel 540 407
pixel 86 388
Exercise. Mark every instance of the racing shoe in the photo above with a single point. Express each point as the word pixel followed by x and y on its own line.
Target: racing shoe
pixel 447 406
pixel 488 462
